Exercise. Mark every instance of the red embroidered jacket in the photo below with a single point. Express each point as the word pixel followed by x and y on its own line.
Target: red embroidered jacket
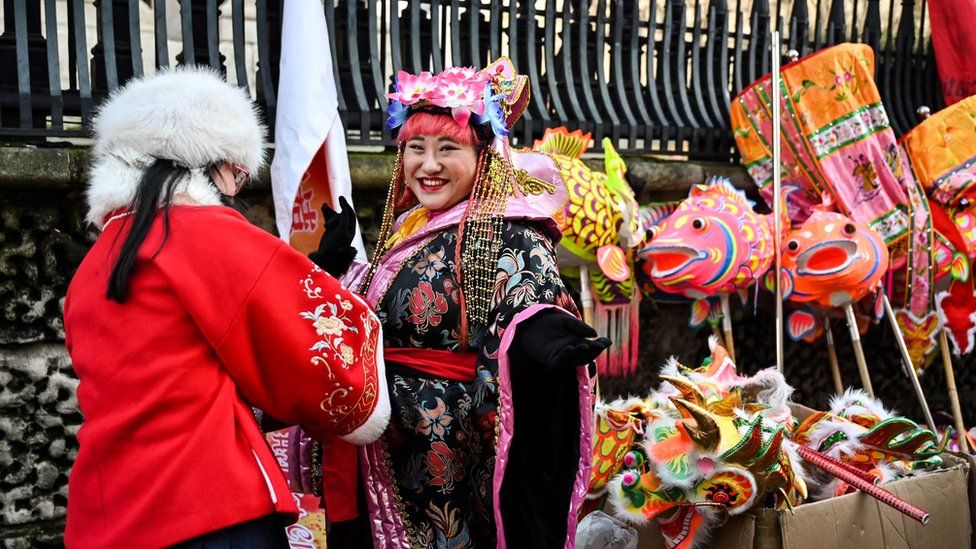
pixel 223 317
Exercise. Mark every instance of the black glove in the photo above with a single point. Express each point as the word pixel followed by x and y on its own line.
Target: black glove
pixel 268 423
pixel 335 252
pixel 556 340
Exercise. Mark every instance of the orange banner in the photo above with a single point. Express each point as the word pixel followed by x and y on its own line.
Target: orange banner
pixel 306 217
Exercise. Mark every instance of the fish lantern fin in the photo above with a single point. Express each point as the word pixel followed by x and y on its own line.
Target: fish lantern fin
pixel 801 323
pixel 960 267
pixel 614 165
pixel 743 296
pixel 562 142
pixel 653 214
pixel 613 262
pixel 724 187
pixel 700 310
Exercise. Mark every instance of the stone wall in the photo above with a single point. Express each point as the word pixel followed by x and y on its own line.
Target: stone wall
pixel 41 241
pixel 43 238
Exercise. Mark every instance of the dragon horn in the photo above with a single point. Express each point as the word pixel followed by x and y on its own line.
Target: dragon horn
pixel 749 447
pixel 771 452
pixel 705 432
pixel 689 390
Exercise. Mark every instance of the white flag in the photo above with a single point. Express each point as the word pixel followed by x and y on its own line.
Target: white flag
pixel 307 122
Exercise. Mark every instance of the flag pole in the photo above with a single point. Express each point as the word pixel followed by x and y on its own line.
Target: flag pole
pixel 777 183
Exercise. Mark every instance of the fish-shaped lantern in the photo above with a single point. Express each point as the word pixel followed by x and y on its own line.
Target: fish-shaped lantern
pixel 831 261
pixel 713 243
pixel 601 224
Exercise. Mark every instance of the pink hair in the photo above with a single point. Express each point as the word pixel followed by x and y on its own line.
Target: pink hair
pixel 430 123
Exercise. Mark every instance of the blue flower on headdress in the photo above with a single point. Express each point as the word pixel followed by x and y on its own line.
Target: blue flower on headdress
pixel 396 115
pixel 494 114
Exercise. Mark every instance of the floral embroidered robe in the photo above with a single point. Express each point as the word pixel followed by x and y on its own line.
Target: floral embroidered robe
pixel 433 478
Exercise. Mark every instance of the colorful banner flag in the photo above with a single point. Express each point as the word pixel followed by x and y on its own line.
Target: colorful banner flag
pixel 310 165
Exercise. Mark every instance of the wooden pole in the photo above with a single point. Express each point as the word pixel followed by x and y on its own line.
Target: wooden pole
pixel 832 355
pixel 727 326
pixel 953 393
pixel 718 335
pixel 907 359
pixel 586 298
pixel 777 184
pixel 862 365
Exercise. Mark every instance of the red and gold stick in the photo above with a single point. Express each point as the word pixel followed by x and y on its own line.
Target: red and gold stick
pixel 884 496
pixel 866 475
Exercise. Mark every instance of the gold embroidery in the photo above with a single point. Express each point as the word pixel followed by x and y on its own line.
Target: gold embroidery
pixel 338 323
pixel 529 185
pixel 401 509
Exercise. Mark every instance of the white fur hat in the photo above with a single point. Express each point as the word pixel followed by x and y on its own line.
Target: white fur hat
pixel 189 115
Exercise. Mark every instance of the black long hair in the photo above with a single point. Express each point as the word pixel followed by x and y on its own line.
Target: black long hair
pixel 155 192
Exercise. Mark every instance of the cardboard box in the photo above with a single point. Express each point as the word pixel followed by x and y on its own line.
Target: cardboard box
pixel 858 520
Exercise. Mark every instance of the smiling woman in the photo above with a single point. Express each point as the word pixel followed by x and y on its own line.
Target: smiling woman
pixel 439 164
pixel 476 326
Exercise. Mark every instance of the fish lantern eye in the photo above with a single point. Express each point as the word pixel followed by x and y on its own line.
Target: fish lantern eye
pixel 964 202
pixel 698 223
pixel 653 232
pixel 849 229
pixel 793 245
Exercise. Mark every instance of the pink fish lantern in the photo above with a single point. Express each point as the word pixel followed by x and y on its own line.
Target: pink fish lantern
pixel 713 243
pixel 831 261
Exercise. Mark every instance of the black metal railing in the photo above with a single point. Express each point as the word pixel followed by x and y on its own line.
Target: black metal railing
pixel 654 76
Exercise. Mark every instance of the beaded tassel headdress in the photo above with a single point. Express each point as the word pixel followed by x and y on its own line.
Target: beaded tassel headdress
pixel 495 97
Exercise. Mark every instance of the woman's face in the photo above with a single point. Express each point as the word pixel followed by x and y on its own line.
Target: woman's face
pixel 228 179
pixel 439 170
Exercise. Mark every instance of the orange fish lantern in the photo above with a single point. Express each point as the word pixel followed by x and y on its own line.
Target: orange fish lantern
pixel 831 261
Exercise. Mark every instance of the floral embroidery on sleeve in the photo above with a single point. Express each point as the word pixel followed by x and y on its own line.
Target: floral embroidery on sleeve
pixel 348 335
pixel 330 322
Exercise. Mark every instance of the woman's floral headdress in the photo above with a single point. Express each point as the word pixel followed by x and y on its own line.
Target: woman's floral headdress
pixel 495 95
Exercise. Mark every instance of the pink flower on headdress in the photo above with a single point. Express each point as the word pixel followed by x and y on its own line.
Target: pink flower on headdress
pixel 463 73
pixel 412 88
pixel 461 94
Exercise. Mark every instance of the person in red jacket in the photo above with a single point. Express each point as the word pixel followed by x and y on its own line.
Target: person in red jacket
pixel 183 316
